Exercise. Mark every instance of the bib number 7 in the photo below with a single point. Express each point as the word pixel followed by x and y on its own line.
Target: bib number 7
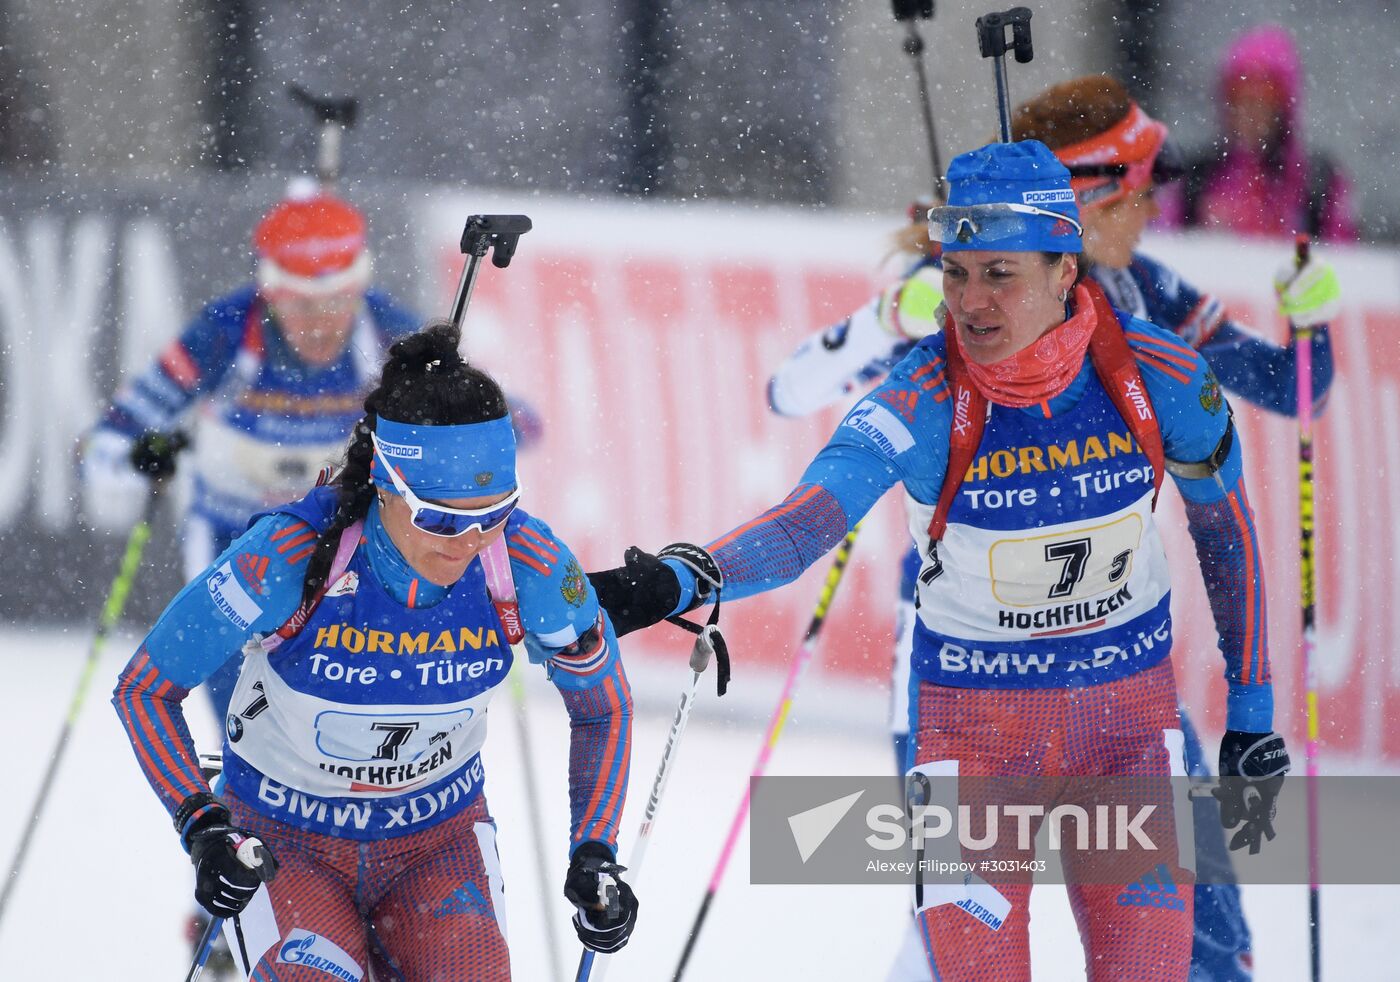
pixel 1068 566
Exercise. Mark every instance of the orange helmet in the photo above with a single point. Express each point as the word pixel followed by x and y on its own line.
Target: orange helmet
pixel 312 245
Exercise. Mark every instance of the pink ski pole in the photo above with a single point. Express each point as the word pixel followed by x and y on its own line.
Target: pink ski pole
pixel 1302 347
pixel 775 729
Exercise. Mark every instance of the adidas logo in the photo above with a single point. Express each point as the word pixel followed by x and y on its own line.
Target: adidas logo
pixel 466 899
pixel 253 568
pixel 903 402
pixel 1156 889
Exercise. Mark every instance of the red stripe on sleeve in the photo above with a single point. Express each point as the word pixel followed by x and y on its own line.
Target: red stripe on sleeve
pixel 1146 359
pixel 765 517
pixel 292 529
pixel 551 547
pixel 530 561
pixel 1250 628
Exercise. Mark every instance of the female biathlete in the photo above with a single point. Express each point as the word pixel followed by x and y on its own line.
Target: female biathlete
pixel 1031 436
pixel 1118 157
pixel 378 615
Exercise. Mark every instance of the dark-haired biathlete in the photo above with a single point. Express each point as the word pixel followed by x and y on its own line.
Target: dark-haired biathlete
pixel 378 616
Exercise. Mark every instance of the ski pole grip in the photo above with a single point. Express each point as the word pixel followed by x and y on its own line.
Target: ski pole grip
pixel 913 10
pixel 329 110
pixel 1302 246
pixel 992 39
pixel 499 232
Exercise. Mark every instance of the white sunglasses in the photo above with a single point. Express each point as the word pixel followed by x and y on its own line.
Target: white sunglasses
pixel 441 520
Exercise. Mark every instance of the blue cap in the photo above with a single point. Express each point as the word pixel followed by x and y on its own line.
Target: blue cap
pixel 467 460
pixel 1022 173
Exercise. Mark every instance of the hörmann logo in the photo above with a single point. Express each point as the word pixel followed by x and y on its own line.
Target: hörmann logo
pixel 355 640
pixel 1074 452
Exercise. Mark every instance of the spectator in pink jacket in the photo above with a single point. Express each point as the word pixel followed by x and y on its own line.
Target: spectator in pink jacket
pixel 1258 178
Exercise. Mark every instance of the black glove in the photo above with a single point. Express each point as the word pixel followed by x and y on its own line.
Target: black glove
pixel 607 907
pixel 229 863
pixel 645 590
pixel 1252 766
pixel 155 451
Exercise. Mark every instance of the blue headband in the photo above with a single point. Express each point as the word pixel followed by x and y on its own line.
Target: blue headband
pixel 1022 173
pixel 469 460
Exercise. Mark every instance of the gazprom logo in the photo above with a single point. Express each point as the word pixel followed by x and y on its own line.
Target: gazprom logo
pixel 313 951
pixel 404 450
pixel 1053 196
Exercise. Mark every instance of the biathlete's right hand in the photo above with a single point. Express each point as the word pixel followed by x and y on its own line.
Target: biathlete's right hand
pixel 648 589
pixel 1309 295
pixel 230 863
pixel 155 451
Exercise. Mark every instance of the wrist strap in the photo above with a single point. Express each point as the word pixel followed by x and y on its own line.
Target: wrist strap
pixel 198 806
pixel 708 577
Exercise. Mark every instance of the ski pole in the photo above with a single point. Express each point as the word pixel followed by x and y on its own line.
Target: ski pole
pixel 909 13
pixel 111 613
pixel 991 41
pixel 203 947
pixel 707 642
pixel 1307 581
pixel 335 116
pixel 532 799
pixel 500 233
pixel 770 740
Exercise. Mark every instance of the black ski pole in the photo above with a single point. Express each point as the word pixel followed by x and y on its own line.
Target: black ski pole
pixel 335 116
pixel 909 13
pixel 993 43
pixel 498 234
pixel 111 613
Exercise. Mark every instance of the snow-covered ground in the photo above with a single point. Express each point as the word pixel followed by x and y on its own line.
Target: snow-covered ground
pixel 106 888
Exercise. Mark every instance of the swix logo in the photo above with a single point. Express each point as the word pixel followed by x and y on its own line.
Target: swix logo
pixel 903 402
pixel 1132 388
pixel 510 620
pixel 254 568
pixel 962 411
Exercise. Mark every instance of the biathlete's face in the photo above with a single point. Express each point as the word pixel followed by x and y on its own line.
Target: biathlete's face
pixel 316 327
pixel 1001 302
pixel 1113 231
pixel 438 559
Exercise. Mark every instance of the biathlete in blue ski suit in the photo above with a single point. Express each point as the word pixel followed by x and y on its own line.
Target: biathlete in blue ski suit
pixel 378 616
pixel 1030 457
pixel 1088 117
pixel 277 369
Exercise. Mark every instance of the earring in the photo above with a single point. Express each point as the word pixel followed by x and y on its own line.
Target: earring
pixel 1064 295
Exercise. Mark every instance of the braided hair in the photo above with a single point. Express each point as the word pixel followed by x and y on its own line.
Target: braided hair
pixel 425 382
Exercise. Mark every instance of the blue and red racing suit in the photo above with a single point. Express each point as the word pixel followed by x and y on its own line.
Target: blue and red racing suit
pixel 992 631
pixel 352 747
pixel 829 364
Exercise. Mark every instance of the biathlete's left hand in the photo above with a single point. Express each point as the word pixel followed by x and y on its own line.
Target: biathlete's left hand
pixel 606 906
pixel 647 589
pixel 1252 766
